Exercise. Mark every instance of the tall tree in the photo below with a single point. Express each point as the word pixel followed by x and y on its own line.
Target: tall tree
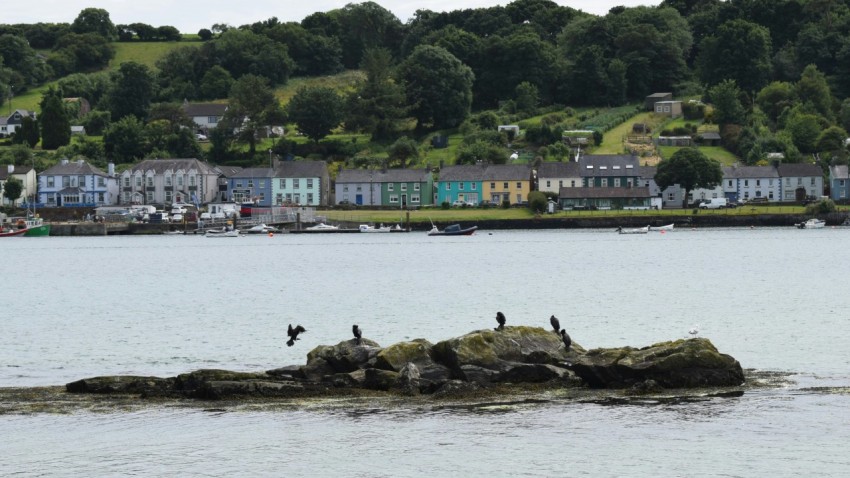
pixel 316 111
pixel 14 188
pixel 55 124
pixel 132 91
pixel 124 141
pixel 252 105
pixel 813 88
pixel 403 150
pixel 740 51
pixel 439 86
pixel 95 20
pixel 28 133
pixel 725 97
pixel 378 104
pixel 690 169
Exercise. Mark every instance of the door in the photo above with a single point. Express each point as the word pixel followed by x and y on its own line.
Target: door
pixel 358 199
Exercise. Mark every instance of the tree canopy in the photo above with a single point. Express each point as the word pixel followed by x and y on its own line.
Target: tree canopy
pixel 690 169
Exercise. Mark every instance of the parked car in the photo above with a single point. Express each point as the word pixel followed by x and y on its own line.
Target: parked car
pixel 459 203
pixel 201 137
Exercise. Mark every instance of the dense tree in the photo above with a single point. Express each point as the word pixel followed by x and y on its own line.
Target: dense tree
pixel 690 169
pixel 804 129
pixel 205 34
pixel 831 140
pixel 28 133
pixel 439 86
pixel 179 72
pixel 366 25
pixel 316 111
pixel 132 91
pixel 774 98
pixel 378 104
pixel 813 89
pixel 740 51
pixel 483 152
pixel 55 124
pixel 123 140
pixel 402 151
pixel 216 83
pixel 252 106
pixel 725 97
pixel 13 189
pixel 314 54
pixel 19 56
pixel 243 52
pixel 95 20
pixel 80 52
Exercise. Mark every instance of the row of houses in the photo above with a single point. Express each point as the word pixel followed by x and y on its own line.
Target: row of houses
pixel 601 181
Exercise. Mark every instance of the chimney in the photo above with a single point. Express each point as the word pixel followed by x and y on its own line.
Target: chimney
pixel 63 161
pixel 80 162
pixel 110 169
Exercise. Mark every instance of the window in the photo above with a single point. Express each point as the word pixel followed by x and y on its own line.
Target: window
pixel 125 197
pixel 758 182
pixel 474 186
pixel 126 181
pixel 359 187
pixel 51 181
pixel 572 183
pixel 770 195
pixel 81 180
pixel 416 186
pixel 149 181
pixel 168 181
pixel 758 194
pixel 239 184
pixel 310 183
pixel 262 184
pixel 548 183
pixel 393 199
pixel 180 179
pixel 139 180
pixel 617 182
pixel 840 182
pixel 730 183
pixel 391 187
pixel 813 181
pixel 404 186
pixel 460 186
pixel 670 197
pixel 345 188
pixel 212 119
pixel 296 183
pixel 799 181
pixel 505 186
pixel 192 180
pixel 168 196
pixel 448 187
pixel 604 182
pixel 309 198
pixel 297 198
pixel 250 184
pixel 149 196
pixel 414 198
pixel 787 181
pixel 289 197
pixel 101 181
pixel 51 198
pixel 492 185
pixel 66 181
pixel 283 184
pixel 746 182
pixel 278 199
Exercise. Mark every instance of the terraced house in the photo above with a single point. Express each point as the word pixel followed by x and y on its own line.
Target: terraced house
pixel 168 181
pixel 389 187
pixel 490 183
pixel 306 183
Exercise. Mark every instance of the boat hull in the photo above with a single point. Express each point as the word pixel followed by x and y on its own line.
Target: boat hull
pixel 38 231
pixel 450 231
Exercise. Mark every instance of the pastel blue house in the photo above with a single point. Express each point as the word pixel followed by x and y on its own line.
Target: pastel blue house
pixel 460 183
pixel 305 183
pixel 839 183
pixel 252 185
pixel 77 184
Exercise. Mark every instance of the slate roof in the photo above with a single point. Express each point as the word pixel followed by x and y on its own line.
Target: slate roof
pixel 4 120
pixel 750 172
pixel 603 193
pixel 799 170
pixel 228 171
pixel 559 170
pixel 712 135
pixel 19 170
pixel 250 173
pixel 383 176
pixel 301 169
pixel 73 168
pixel 160 166
pixel 204 109
pixel 609 165
pixel 486 172
pixel 647 172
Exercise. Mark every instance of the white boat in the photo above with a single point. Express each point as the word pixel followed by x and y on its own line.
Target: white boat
pixel 322 227
pixel 368 228
pixel 261 229
pixel 222 233
pixel 637 230
pixel 668 227
pixel 812 223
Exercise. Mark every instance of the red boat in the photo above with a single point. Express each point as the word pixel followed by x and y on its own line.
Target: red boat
pixel 6 232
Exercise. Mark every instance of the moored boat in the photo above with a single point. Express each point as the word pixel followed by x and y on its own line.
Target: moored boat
pixel 261 229
pixel 30 226
pixel 222 233
pixel 368 228
pixel 668 227
pixel 812 223
pixel 452 230
pixel 322 227
pixel 637 230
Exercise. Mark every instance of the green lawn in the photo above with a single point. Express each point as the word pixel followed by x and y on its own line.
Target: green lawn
pixel 612 140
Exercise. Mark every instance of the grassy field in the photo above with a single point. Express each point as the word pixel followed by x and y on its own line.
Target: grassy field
pixel 612 140
pixel 341 82
pixel 146 53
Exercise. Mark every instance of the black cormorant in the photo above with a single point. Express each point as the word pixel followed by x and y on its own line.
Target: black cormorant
pixel 555 324
pixel 500 318
pixel 358 334
pixel 566 338
pixel 293 334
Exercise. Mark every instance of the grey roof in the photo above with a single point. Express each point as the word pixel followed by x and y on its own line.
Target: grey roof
pixel 659 95
pixel 611 193
pixel 750 172
pixel 228 171
pixel 648 172
pixel 5 118
pixel 250 173
pixel 74 168
pixel 609 165
pixel 204 109
pixel 799 170
pixel 559 170
pixel 486 172
pixel 4 171
pixel 383 176
pixel 301 169
pixel 160 166
pixel 839 172
pixel 710 135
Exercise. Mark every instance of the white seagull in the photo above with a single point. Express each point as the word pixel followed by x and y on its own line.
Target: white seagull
pixel 694 330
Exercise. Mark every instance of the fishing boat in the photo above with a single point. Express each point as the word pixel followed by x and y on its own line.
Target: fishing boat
pixel 30 226
pixel 812 223
pixel 452 230
pixel 637 230
pixel 668 227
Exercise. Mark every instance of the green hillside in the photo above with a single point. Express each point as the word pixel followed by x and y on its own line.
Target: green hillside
pixel 146 53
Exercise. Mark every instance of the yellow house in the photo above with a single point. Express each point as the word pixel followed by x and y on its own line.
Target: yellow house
pixel 506 182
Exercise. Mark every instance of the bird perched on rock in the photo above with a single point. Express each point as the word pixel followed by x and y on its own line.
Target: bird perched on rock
pixel 358 334
pixel 694 331
pixel 566 338
pixel 500 318
pixel 555 324
pixel 293 334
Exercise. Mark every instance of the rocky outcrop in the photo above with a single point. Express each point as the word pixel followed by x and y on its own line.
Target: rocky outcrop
pixel 678 364
pixel 479 361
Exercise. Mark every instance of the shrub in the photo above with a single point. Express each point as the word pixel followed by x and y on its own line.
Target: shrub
pixel 824 206
pixel 445 205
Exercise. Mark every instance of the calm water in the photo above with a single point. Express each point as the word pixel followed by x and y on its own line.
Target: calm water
pixel 776 299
